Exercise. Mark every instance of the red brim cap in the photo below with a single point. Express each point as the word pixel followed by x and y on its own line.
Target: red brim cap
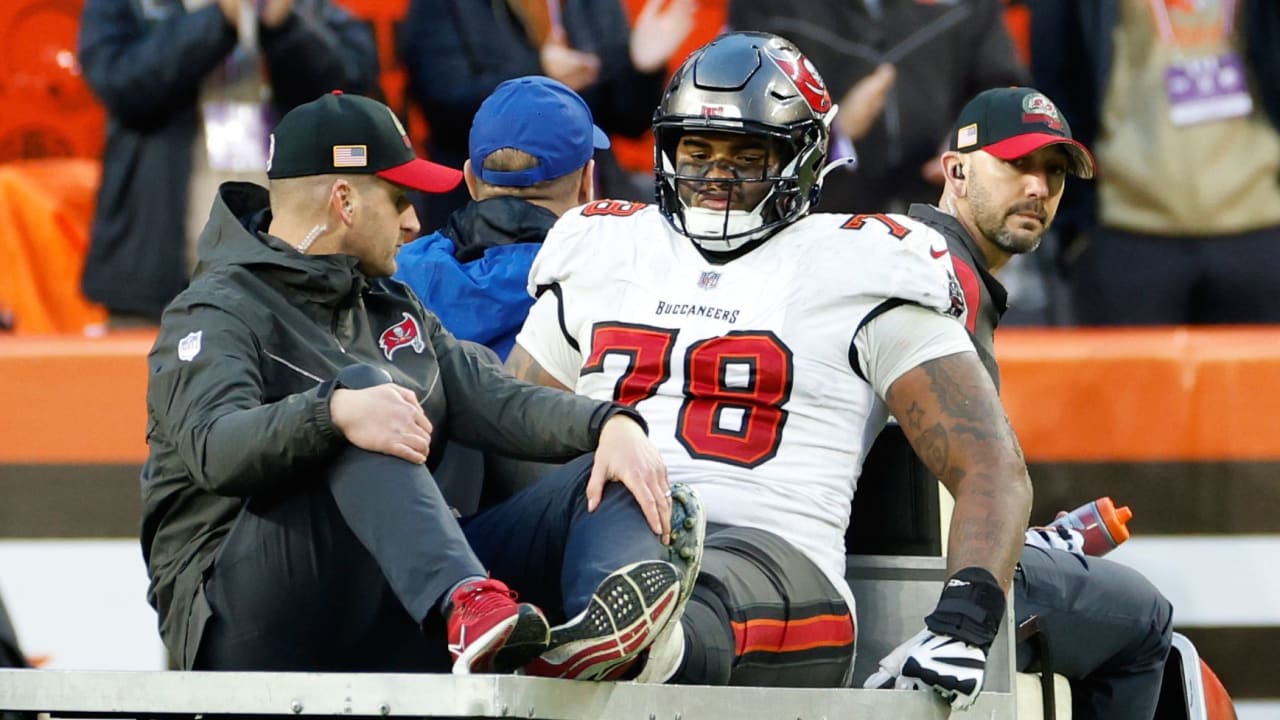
pixel 423 175
pixel 1082 164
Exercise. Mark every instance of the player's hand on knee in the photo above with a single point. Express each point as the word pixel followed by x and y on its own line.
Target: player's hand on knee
pixel 950 666
pixel 626 455
pixel 1055 537
pixel 384 418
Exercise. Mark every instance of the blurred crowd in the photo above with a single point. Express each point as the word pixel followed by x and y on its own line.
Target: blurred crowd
pixel 1180 99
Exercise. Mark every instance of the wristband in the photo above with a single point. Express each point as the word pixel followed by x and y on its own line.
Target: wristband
pixel 970 609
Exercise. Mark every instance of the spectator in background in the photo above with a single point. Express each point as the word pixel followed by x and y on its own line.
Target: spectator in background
pixel 1181 103
pixel 458 52
pixel 900 70
pixel 530 161
pixel 192 90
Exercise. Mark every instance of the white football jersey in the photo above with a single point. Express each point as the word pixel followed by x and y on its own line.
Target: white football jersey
pixel 744 371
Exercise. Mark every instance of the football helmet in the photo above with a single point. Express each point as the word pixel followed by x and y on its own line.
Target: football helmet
pixel 753 84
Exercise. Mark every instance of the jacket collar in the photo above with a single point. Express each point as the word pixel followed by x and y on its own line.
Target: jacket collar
pixel 236 235
pixel 482 224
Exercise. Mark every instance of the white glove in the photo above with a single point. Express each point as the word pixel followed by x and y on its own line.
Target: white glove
pixel 952 667
pixel 1055 537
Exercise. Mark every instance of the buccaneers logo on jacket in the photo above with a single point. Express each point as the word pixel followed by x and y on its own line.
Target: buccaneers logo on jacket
pixel 405 332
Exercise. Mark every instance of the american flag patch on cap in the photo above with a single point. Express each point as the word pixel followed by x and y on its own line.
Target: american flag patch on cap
pixel 966 136
pixel 350 156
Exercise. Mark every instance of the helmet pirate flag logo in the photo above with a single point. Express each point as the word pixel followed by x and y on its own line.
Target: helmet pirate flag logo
pixel 805 77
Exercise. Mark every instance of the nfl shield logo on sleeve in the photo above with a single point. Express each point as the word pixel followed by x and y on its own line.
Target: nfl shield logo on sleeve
pixel 189 346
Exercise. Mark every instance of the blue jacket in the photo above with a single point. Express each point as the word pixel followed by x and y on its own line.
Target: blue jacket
pixel 473 272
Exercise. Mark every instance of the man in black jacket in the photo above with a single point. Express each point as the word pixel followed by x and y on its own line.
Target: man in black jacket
pixel 1108 627
pixel 298 400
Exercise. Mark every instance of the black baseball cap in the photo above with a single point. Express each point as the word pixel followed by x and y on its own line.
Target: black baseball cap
pixel 339 133
pixel 1011 122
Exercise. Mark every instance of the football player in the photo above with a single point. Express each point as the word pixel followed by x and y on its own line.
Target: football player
pixel 765 345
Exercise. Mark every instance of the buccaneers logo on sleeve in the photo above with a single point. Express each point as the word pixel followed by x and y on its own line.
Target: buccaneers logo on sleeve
pixel 405 332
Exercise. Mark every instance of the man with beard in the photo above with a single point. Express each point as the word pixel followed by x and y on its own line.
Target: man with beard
pixel 1109 628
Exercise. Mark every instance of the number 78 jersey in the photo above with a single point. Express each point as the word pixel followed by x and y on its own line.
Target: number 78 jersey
pixel 746 371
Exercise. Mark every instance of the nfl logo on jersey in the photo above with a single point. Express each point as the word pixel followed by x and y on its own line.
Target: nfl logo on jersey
pixel 708 280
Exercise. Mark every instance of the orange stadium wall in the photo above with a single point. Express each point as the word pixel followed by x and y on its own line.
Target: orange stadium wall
pixel 1139 395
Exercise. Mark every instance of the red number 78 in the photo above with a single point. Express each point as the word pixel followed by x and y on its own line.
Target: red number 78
pixel 747 373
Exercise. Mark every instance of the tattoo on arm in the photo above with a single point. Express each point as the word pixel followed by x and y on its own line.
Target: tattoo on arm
pixel 952 416
pixel 956 401
pixel 522 365
pixel 914 416
pixel 933 448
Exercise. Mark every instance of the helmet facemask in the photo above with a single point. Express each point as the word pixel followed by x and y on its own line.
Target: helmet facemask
pixel 742 85
pixel 725 230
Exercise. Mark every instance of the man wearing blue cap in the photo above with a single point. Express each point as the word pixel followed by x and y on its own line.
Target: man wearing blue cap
pixel 530 161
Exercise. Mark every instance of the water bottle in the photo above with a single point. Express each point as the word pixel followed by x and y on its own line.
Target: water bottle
pixel 1101 523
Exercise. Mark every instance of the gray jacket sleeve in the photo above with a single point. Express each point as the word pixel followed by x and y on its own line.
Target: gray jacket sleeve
pixel 206 400
pixel 491 410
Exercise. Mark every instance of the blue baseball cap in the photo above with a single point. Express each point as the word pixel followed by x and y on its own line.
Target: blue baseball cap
pixel 541 117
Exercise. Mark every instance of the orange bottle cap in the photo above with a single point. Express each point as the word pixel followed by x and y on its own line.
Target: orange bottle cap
pixel 1115 518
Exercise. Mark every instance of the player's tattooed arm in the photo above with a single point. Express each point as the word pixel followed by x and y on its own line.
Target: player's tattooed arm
pixel 522 365
pixel 951 413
